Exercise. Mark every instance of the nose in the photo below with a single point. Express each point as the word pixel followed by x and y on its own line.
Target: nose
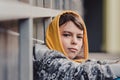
pixel 74 40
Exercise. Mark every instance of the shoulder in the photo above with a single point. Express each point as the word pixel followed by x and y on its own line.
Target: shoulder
pixel 42 47
pixel 40 50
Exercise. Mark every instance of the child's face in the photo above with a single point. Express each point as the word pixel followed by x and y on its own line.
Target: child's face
pixel 72 39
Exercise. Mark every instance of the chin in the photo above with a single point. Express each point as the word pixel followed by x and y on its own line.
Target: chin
pixel 72 57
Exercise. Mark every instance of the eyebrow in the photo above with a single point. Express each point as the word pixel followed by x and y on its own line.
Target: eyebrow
pixel 71 32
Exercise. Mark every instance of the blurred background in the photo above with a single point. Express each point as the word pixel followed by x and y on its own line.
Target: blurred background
pixel 23 23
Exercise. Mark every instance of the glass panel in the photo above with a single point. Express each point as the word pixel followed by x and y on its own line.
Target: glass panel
pixel 57 4
pixel 47 3
pixel 9 55
pixel 38 3
pixel 38 30
pixel 25 1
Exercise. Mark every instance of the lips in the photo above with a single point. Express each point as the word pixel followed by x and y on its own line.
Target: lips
pixel 73 49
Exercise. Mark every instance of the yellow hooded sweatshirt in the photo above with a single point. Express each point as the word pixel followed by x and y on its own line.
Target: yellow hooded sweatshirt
pixel 53 40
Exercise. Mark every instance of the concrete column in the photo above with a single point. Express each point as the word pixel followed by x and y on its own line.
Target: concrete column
pixel 112 26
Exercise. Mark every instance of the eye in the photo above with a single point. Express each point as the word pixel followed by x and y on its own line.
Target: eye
pixel 80 37
pixel 66 35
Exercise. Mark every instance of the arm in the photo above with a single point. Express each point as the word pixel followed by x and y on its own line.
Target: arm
pixel 116 69
pixel 54 65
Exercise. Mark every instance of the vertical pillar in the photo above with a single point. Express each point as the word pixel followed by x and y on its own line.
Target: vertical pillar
pixel 112 26
pixel 25 64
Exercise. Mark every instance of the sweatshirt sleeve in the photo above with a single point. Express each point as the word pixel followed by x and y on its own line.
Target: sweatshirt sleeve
pixel 116 69
pixel 55 66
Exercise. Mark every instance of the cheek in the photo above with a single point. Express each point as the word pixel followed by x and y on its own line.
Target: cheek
pixel 80 44
pixel 65 42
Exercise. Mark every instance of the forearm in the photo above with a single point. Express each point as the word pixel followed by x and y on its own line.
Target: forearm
pixel 115 69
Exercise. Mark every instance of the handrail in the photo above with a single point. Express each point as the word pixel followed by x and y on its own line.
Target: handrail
pixel 18 10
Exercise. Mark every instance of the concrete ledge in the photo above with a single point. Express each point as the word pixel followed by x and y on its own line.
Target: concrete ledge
pixel 104 56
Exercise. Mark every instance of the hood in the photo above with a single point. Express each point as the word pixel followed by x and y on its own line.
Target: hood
pixel 53 40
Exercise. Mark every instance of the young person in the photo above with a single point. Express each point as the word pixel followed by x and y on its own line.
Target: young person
pixel 65 54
